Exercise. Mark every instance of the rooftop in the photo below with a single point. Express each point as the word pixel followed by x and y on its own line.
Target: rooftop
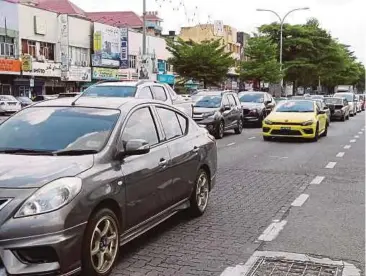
pixel 117 18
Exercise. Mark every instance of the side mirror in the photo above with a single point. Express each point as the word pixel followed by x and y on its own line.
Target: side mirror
pixel 267 102
pixel 226 108
pixel 134 147
pixel 321 112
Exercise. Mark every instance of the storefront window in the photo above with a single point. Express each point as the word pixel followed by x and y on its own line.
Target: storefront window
pixel 7 46
pixel 79 56
pixel 29 47
pixel 47 50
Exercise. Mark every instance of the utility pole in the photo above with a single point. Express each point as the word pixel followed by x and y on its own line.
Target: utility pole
pixel 144 28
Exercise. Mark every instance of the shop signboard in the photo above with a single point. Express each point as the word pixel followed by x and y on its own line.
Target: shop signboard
pixel 10 67
pixel 79 74
pixel 27 61
pixel 64 41
pixel 44 70
pixel 166 78
pixel 106 44
pixel 124 48
pixel 106 74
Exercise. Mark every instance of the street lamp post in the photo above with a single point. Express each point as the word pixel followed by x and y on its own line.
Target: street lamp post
pixel 282 21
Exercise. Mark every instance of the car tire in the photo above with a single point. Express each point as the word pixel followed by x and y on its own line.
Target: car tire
pixel 316 137
pixel 239 128
pixel 343 118
pixel 347 118
pixel 219 133
pixel 325 133
pixel 102 230
pixel 200 195
pixel 266 138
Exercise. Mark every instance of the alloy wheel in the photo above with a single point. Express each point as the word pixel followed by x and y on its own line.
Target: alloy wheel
pixel 104 244
pixel 202 192
pixel 221 130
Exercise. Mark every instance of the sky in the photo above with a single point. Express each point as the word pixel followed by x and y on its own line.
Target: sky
pixel 344 19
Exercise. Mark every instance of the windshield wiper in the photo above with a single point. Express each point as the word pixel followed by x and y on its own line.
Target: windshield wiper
pixel 26 151
pixel 74 152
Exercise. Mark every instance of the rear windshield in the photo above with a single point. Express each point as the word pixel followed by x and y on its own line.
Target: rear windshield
pixel 333 101
pixel 348 96
pixel 110 91
pixel 295 106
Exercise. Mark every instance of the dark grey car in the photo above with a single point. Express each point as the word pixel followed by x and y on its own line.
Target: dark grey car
pixel 80 178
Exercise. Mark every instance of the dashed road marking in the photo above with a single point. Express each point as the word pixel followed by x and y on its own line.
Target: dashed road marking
pixel 347 146
pixel 251 138
pixel 340 154
pixel 330 165
pixel 356 136
pixel 231 144
pixel 272 231
pixel 352 141
pixel 279 157
pixel 317 180
pixel 298 202
pixel 360 132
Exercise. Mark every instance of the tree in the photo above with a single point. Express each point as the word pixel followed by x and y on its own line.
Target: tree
pixel 206 62
pixel 262 64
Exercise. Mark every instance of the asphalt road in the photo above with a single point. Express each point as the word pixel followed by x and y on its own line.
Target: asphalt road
pixel 257 182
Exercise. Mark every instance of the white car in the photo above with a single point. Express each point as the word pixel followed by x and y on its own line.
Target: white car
pixel 9 104
pixel 358 103
pixel 350 97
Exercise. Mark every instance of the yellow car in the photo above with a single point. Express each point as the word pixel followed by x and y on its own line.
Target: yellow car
pixel 296 118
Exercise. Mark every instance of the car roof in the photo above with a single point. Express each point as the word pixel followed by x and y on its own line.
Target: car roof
pixel 252 92
pixel 126 83
pixel 213 93
pixel 97 102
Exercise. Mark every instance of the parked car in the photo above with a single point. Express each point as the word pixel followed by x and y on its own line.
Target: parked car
pixel 256 106
pixel 358 103
pixel 218 111
pixel 69 94
pixel 317 97
pixel 9 104
pixel 24 101
pixel 120 167
pixel 363 100
pixel 296 119
pixel 40 98
pixel 143 89
pixel 339 108
pixel 351 99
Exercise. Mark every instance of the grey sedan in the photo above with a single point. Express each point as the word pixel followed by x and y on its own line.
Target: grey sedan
pixel 81 177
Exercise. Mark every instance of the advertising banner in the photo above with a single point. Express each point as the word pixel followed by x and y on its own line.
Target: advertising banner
pixel 107 42
pixel 106 74
pixel 44 70
pixel 10 66
pixel 76 73
pixel 124 48
pixel 64 42
pixel 27 62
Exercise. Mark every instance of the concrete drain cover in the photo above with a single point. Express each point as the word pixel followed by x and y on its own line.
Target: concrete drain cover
pixel 279 267
pixel 270 263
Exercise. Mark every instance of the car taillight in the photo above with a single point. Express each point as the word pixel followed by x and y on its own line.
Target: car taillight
pixel 2 103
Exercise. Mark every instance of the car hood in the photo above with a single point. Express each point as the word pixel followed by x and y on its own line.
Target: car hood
pixel 290 117
pixel 251 105
pixel 29 171
pixel 204 109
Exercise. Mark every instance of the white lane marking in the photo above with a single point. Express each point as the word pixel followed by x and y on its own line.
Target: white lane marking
pixel 360 132
pixel 362 129
pixel 352 141
pixel 347 146
pixel 244 269
pixel 340 154
pixel 298 202
pixel 231 144
pixel 317 180
pixel 330 165
pixel 279 157
pixel 251 138
pixel 272 231
pixel 356 136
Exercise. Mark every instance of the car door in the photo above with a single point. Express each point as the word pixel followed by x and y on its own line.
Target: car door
pixel 234 112
pixel 184 155
pixel 226 113
pixel 321 117
pixel 144 93
pixel 159 93
pixel 144 175
pixel 239 114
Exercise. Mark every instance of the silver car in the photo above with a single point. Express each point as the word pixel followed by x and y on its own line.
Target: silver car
pixel 351 99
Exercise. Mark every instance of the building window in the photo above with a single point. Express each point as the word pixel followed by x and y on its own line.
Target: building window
pixel 78 56
pixel 47 50
pixel 7 46
pixel 29 47
pixel 132 61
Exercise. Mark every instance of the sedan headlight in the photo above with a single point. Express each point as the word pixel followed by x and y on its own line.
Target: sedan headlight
pixel 308 123
pixel 51 197
pixel 267 122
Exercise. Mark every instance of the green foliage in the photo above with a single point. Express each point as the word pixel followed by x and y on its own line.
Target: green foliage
pixel 262 64
pixel 206 62
pixel 310 53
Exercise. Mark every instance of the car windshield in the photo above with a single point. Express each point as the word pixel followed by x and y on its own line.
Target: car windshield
pixel 110 91
pixel 7 98
pixel 51 129
pixel 25 100
pixel 209 101
pixel 317 97
pixel 296 106
pixel 348 96
pixel 333 101
pixel 251 98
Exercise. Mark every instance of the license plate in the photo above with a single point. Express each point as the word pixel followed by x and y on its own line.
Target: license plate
pixel 285 128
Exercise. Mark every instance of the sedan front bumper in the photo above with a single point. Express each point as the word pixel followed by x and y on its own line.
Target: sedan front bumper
pixel 296 131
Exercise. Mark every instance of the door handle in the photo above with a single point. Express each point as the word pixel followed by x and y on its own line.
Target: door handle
pixel 196 149
pixel 163 162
